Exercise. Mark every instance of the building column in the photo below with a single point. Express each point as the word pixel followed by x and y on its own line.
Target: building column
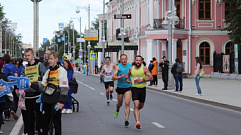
pixel 174 50
pixel 151 49
pixel 151 12
pixel 164 48
pixel 184 54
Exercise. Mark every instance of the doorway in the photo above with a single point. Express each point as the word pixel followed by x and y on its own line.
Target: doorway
pixel 179 50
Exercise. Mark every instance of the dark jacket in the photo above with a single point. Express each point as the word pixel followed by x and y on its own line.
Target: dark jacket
pixel 150 67
pixel 164 67
pixel 33 93
pixel 174 67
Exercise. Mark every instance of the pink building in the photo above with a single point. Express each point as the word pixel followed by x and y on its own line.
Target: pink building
pixel 198 32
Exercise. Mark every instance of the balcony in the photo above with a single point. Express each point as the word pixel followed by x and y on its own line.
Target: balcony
pixel 158 24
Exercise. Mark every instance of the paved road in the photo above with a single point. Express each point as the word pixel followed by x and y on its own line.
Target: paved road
pixel 162 114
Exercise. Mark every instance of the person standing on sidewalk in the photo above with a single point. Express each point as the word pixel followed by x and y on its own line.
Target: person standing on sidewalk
pixel 138 75
pixel 107 72
pixel 46 57
pixel 123 88
pixel 198 69
pixel 35 71
pixel 164 65
pixel 150 67
pixel 155 72
pixel 177 70
pixel 101 77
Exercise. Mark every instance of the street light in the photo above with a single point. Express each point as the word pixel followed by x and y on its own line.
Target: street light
pixel 89 46
pixel 71 21
pixel 170 20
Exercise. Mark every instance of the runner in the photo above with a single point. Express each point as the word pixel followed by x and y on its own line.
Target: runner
pixel 138 75
pixel 35 71
pixel 123 88
pixel 107 71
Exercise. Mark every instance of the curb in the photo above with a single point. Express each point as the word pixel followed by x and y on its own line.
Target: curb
pixel 217 104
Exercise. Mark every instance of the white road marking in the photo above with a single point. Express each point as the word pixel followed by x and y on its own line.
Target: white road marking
pixel 86 85
pixel 79 82
pixel 114 99
pixel 102 93
pixel 91 88
pixel 17 127
pixel 131 109
pixel 158 125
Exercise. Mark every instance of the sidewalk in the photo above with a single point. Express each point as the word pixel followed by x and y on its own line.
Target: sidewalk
pixel 218 92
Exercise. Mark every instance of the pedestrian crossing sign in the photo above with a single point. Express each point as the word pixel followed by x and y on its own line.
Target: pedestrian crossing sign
pixel 93 56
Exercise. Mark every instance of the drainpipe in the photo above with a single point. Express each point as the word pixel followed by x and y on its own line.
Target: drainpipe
pixel 190 32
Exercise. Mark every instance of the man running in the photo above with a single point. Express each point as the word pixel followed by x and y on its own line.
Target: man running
pixel 123 88
pixel 138 75
pixel 107 71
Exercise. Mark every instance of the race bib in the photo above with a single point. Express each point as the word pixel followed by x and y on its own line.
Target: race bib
pixel 135 81
pixel 54 75
pixel 108 73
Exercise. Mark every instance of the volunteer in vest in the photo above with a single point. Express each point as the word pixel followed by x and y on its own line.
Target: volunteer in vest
pixel 164 65
pixel 54 87
pixel 177 70
pixel 107 72
pixel 138 75
pixel 123 88
pixel 35 71
pixel 154 72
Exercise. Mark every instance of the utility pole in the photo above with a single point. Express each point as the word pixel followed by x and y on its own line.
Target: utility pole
pixel 122 26
pixel 103 36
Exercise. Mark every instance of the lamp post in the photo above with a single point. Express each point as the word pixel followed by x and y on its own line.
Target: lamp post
pixel 89 46
pixel 88 10
pixel 170 20
pixel 71 21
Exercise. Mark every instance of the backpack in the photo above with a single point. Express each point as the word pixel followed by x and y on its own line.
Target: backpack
pixel 74 85
pixel 180 68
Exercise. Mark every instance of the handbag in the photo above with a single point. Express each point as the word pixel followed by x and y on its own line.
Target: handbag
pixel 202 72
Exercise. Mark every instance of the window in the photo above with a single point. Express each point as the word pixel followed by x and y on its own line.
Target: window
pixel 204 52
pixel 204 10
pixel 228 48
pixel 227 8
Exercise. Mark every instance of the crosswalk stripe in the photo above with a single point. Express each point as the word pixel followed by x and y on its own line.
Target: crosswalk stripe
pixel 158 125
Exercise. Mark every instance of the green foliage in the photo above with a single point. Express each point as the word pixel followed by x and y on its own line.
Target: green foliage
pixel 234 19
pixel 2 14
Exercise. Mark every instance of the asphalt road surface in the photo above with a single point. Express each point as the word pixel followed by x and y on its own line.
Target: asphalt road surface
pixel 162 115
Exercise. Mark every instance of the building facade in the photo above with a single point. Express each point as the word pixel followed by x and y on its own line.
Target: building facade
pixel 198 33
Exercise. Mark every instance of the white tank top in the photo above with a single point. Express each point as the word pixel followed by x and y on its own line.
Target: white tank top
pixel 108 73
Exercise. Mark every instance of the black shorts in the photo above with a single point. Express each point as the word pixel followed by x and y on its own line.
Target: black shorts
pixel 122 90
pixel 139 94
pixel 107 84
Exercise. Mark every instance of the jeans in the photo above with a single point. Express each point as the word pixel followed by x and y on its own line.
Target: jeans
pixel 155 80
pixel 68 103
pixel 197 79
pixel 178 77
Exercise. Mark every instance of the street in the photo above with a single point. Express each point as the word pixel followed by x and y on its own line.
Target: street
pixel 162 114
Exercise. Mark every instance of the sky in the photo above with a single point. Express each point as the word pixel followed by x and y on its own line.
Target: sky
pixel 51 12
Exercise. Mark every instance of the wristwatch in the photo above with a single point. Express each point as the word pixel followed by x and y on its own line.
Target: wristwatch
pixel 144 80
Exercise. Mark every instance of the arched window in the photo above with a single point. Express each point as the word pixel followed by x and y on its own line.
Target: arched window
pixel 228 48
pixel 204 10
pixel 204 53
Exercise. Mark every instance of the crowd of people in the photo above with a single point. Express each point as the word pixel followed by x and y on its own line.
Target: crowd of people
pixel 47 98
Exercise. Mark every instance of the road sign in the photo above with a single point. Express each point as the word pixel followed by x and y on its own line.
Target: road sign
pixel 73 46
pixel 93 56
pixel 91 38
pixel 122 16
pixel 61 26
pixel 91 35
pixel 45 40
pixel 63 38
pixel 80 40
pixel 59 40
pixel 80 53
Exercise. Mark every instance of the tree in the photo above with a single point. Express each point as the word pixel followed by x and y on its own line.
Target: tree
pixel 234 19
pixel 2 14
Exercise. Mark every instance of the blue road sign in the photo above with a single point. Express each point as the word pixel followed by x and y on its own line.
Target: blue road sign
pixel 61 25
pixel 80 53
pixel 93 55
pixel 63 38
pixel 59 40
pixel 45 40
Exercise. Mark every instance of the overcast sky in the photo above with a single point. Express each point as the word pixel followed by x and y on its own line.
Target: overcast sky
pixel 51 12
